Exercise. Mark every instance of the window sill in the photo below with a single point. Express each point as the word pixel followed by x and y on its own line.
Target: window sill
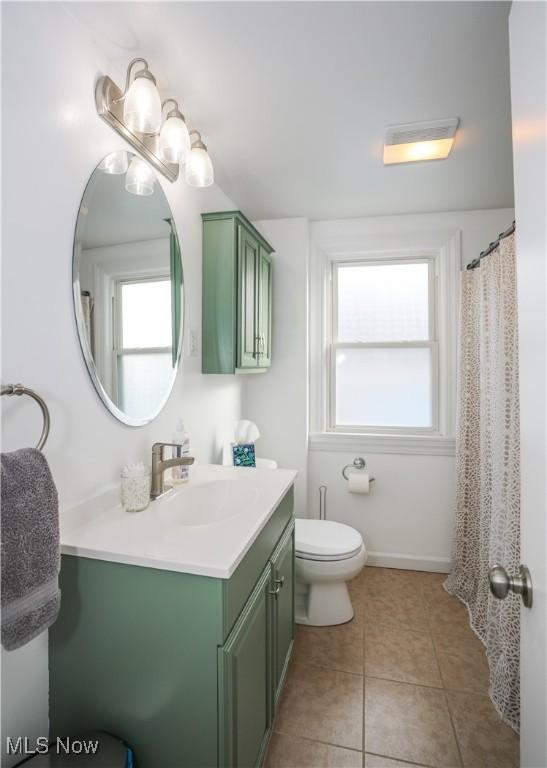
pixel 427 445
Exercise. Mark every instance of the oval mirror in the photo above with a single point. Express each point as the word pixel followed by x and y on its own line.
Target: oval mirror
pixel 128 288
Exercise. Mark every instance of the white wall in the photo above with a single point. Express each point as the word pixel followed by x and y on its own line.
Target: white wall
pixel 277 400
pixel 407 519
pixel 528 54
pixel 52 141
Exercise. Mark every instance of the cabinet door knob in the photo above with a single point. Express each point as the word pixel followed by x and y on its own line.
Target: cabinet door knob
pixel 275 591
pixel 280 581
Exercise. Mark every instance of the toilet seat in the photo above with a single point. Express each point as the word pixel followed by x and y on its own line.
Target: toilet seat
pixel 325 540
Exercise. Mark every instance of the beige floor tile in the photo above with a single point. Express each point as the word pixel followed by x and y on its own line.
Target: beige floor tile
pixel 395 609
pixel 357 585
pixel 449 620
pixel 339 647
pixel 400 654
pixel 322 704
pixel 391 580
pixel 452 611
pixel 483 738
pixel 357 596
pixel 433 591
pixel 376 761
pixel 408 722
pixel 463 664
pixel 394 598
pixel 292 752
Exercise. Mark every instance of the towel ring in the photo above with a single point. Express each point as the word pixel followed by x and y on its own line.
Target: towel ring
pixel 358 463
pixel 19 389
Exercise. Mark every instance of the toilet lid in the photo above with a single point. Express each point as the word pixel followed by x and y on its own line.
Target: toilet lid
pixel 326 540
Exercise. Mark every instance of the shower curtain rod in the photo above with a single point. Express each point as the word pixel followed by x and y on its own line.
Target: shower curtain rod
pixel 491 247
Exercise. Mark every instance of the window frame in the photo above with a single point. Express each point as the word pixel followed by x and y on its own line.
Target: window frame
pixel 118 350
pixel 333 345
pixel 359 240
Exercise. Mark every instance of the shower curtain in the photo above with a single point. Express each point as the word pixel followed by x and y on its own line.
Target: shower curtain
pixel 488 466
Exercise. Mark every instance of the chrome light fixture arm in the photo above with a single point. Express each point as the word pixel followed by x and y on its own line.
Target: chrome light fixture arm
pixel 198 143
pixel 175 112
pixel 144 72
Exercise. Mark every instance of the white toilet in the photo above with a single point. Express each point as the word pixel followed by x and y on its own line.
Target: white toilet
pixel 328 554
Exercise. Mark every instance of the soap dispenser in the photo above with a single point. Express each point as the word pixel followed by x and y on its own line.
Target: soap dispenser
pixel 181 437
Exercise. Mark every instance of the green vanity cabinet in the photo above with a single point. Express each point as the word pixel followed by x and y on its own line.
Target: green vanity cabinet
pixel 237 295
pixel 245 674
pixel 283 574
pixel 185 668
pixel 254 659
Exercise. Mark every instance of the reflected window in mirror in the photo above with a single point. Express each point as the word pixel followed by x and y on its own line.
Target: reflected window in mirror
pixel 144 349
pixel 128 292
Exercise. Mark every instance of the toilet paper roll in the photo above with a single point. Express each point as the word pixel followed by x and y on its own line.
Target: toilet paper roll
pixel 358 482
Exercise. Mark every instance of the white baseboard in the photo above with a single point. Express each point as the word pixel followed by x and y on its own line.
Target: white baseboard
pixel 409 562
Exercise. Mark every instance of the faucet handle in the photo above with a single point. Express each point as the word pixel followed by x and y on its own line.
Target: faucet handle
pixel 157 448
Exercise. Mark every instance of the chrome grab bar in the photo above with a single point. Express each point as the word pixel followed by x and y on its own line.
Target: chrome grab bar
pixel 19 389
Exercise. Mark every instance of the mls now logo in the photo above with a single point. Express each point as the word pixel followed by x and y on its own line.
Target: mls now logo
pixel 25 746
pixel 62 746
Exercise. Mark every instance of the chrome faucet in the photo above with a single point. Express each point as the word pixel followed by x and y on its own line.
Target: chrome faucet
pixel 159 465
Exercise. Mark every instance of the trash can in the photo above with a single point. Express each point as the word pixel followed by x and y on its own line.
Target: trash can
pixel 96 749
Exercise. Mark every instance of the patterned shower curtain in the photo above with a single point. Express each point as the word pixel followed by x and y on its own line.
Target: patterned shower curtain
pixel 488 466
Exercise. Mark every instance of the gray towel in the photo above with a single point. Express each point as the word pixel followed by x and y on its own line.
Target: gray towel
pixel 30 547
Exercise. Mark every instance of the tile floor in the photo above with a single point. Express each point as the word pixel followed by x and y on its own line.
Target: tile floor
pixel 404 684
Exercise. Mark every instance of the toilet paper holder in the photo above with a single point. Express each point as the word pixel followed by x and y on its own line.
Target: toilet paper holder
pixel 358 463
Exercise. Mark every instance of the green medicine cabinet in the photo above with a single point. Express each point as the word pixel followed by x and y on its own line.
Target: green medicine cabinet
pixel 237 295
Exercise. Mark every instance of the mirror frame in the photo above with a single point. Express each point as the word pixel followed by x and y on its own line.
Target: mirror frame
pixel 78 315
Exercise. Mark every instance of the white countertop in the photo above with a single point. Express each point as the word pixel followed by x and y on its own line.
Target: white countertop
pixel 204 527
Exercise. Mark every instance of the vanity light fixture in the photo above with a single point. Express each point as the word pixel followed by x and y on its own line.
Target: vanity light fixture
pixel 141 100
pixel 174 143
pixel 199 168
pixel 136 113
pixel 115 163
pixel 412 142
pixel 139 179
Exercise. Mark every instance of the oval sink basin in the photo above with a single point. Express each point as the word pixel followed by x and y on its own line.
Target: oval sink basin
pixel 207 503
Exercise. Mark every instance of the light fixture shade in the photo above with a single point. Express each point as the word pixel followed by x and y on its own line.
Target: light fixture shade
pixel 412 142
pixel 142 106
pixel 115 163
pixel 174 143
pixel 199 168
pixel 411 152
pixel 140 178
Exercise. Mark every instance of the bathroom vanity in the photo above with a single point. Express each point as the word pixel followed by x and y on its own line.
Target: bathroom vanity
pixel 177 623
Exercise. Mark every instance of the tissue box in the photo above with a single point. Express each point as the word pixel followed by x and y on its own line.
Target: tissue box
pixel 244 455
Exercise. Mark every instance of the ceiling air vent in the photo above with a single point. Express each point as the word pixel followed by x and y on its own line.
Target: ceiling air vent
pixel 411 142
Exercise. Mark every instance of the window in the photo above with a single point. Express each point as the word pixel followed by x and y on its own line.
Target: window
pixel 143 342
pixel 383 357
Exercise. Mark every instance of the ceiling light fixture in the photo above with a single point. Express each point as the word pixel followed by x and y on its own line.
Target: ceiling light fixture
pixel 412 142
pixel 136 113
